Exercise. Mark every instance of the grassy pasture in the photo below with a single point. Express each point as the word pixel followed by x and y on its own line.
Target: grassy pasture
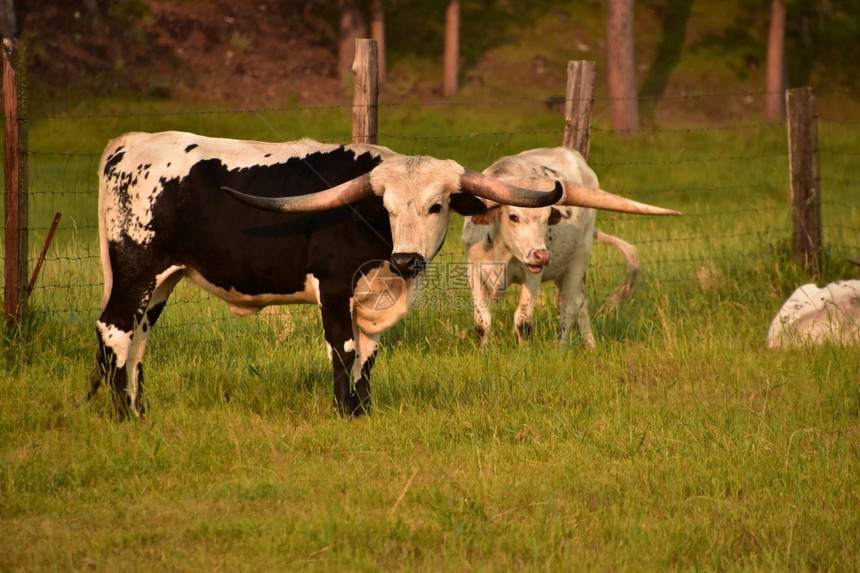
pixel 679 443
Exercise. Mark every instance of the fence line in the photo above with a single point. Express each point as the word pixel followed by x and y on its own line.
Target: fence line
pixel 70 284
pixel 558 102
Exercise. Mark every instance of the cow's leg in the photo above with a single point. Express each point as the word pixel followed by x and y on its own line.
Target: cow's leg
pixel 131 309
pixel 573 307
pixel 481 303
pixel 164 284
pixel 361 368
pixel 115 329
pixel 529 292
pixel 342 349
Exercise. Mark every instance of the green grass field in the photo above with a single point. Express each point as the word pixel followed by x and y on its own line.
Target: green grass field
pixel 681 442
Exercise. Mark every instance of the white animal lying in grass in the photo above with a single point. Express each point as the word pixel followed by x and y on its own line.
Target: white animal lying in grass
pixel 815 315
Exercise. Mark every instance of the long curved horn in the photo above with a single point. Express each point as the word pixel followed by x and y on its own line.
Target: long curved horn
pixel 337 196
pixel 579 195
pixel 584 196
pixel 501 192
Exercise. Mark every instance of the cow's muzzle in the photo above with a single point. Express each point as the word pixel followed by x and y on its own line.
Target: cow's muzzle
pixel 408 265
pixel 537 260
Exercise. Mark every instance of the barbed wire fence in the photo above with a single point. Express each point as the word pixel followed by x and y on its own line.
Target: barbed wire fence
pixel 718 173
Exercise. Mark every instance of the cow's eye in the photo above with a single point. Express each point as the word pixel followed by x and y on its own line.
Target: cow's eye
pixel 514 218
pixel 435 208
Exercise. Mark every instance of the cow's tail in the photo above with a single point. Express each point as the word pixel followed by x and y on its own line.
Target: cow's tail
pixel 631 258
pixel 107 271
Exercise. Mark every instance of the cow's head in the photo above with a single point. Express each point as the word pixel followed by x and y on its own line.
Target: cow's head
pixel 523 231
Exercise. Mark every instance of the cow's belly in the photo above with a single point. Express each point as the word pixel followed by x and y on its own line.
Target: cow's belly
pixel 243 304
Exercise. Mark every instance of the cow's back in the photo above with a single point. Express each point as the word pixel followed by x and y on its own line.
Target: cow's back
pixel 815 315
pixel 546 162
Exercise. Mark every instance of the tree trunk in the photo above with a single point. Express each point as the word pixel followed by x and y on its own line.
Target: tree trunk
pixel 92 7
pixel 377 32
pixel 451 62
pixel 10 24
pixel 774 99
pixel 352 26
pixel 623 107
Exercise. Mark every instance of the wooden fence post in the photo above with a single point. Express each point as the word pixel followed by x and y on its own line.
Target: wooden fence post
pixel 578 101
pixel 802 119
pixel 15 267
pixel 365 97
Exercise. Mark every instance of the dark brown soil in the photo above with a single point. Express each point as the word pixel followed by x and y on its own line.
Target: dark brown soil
pixel 259 53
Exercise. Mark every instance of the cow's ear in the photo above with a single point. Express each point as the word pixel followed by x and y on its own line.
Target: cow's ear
pixel 555 216
pixel 467 204
pixel 489 217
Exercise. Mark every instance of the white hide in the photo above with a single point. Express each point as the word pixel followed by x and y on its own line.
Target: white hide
pixel 515 234
pixel 132 216
pixel 816 315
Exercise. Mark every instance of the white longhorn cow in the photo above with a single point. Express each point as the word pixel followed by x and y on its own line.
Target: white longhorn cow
pixel 536 245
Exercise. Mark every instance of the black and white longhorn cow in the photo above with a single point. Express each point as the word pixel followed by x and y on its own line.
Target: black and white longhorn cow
pixel 345 227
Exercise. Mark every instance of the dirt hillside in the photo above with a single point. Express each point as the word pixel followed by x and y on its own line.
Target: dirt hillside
pixel 258 53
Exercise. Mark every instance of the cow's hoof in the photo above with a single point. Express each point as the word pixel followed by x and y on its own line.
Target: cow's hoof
pixel 123 410
pixel 524 331
pixel 352 407
pixel 483 336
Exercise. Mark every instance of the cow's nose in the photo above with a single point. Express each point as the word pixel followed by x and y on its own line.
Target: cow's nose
pixel 408 264
pixel 540 257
